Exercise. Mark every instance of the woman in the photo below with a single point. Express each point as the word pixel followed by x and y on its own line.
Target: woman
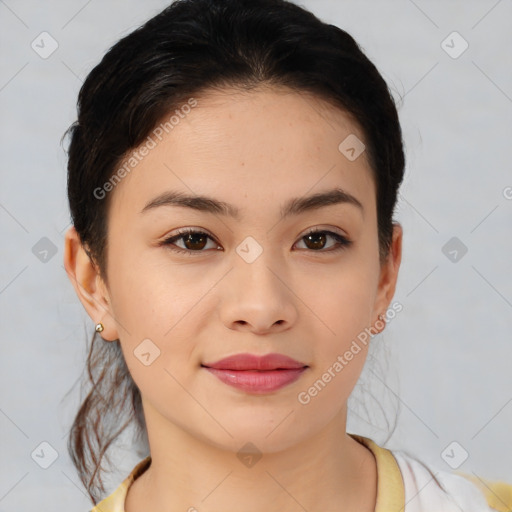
pixel 232 178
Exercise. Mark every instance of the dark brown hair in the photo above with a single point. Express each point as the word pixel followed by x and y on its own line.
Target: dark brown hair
pixel 194 46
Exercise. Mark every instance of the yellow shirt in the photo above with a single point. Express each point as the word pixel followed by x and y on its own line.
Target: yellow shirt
pixel 391 492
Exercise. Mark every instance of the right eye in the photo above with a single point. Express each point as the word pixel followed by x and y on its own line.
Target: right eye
pixel 196 240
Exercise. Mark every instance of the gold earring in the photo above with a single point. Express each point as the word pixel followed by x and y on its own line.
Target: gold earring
pixel 99 327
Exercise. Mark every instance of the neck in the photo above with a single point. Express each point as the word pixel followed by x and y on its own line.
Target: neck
pixel 328 471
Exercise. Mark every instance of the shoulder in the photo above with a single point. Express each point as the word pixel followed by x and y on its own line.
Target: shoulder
pixel 430 489
pixel 410 485
pixel 498 494
pixel 115 501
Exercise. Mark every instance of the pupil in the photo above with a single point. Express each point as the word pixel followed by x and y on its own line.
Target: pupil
pixel 190 237
pixel 316 245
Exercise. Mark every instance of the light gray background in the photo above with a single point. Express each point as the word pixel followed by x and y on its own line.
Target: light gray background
pixel 446 358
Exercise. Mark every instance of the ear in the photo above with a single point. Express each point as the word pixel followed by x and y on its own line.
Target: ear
pixel 89 286
pixel 388 276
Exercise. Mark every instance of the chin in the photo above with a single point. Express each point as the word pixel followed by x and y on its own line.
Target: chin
pixel 267 436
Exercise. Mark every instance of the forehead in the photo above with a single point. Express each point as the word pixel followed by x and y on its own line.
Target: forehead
pixel 246 147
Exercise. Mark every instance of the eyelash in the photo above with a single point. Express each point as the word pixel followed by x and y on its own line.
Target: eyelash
pixel 343 242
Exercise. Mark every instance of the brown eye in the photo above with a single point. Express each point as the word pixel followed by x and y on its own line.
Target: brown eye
pixel 193 241
pixel 196 241
pixel 317 240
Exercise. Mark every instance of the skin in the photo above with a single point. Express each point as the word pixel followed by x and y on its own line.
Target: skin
pixel 254 150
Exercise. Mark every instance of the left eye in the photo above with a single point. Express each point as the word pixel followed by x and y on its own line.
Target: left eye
pixel 195 241
pixel 317 237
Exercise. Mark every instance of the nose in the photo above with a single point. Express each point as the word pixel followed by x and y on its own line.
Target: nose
pixel 257 298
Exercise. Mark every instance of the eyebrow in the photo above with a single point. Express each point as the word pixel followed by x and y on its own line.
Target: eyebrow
pixel 293 206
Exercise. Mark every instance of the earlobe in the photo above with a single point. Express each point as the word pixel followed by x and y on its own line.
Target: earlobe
pixel 88 284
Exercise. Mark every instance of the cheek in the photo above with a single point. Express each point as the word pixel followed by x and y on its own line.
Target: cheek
pixel 157 314
pixel 339 353
pixel 343 301
pixel 163 303
pixel 151 297
pixel 344 305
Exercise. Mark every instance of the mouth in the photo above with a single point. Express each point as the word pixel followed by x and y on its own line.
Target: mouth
pixel 255 362
pixel 257 374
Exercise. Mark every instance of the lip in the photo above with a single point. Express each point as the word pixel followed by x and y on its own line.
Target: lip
pixel 257 374
pixel 272 361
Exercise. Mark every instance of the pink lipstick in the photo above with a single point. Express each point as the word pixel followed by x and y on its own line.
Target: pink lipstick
pixel 257 374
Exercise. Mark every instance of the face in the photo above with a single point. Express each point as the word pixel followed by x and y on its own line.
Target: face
pixel 257 282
